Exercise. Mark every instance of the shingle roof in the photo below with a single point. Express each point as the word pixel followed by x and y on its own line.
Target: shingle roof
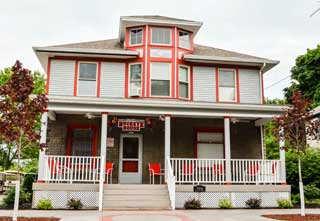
pixel 157 17
pixel 114 44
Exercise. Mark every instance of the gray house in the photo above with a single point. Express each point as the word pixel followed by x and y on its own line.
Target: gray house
pixel 150 118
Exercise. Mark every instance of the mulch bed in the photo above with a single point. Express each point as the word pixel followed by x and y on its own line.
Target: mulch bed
pixel 7 218
pixel 294 217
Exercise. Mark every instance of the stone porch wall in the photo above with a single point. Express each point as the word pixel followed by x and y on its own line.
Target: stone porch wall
pixel 245 139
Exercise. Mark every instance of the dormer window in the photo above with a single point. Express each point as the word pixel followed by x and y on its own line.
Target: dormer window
pixel 136 36
pixel 184 39
pixel 161 36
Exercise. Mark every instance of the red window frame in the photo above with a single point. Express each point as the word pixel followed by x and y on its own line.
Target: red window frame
pixel 212 130
pixel 82 126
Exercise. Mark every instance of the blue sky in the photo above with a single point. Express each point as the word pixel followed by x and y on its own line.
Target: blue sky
pixel 274 29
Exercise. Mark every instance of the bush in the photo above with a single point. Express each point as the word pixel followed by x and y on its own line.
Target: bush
pixel 8 201
pixel 225 203
pixel 284 203
pixel 192 204
pixel 295 198
pixel 311 192
pixel 44 204
pixel 74 204
pixel 253 203
pixel 27 183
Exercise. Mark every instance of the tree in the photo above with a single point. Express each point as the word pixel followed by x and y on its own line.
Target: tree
pixel 292 129
pixel 19 114
pixel 306 76
pixel 7 150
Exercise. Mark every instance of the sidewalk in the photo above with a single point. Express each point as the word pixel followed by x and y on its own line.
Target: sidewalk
pixel 178 215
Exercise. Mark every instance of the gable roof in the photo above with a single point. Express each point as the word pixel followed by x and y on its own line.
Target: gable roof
pixel 156 17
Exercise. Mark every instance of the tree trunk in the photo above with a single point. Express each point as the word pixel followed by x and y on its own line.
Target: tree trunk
pixel 302 205
pixel 17 192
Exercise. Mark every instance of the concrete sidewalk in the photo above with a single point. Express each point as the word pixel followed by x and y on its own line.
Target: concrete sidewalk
pixel 178 215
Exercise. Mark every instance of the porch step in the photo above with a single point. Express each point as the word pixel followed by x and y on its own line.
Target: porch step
pixel 136 197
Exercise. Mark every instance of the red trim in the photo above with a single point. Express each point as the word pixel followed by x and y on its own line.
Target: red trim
pixel 99 79
pixel 237 85
pixel 227 117
pixel 48 75
pixel 217 84
pixel 104 112
pixel 195 140
pixel 75 82
pixel 262 89
pixel 191 83
pixel 46 110
pixel 82 126
pixel 126 81
pixel 168 115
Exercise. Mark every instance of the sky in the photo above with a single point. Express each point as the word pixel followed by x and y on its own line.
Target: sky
pixel 274 29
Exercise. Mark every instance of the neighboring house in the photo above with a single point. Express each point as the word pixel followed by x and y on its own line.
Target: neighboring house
pixel 314 141
pixel 154 96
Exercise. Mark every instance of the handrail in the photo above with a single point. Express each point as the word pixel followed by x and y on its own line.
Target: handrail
pixel 171 183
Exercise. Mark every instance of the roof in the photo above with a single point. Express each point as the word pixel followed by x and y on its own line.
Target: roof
pixel 110 44
pixel 156 17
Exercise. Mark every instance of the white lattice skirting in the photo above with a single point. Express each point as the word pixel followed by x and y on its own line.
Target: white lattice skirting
pixel 238 199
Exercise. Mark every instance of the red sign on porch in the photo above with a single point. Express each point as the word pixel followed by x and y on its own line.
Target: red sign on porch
pixel 131 124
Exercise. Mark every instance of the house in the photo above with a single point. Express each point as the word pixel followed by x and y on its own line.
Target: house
pixel 154 96
pixel 314 141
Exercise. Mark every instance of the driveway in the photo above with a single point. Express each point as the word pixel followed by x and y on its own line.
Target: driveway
pixel 178 215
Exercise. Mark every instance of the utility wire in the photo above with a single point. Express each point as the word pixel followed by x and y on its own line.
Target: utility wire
pixel 277 82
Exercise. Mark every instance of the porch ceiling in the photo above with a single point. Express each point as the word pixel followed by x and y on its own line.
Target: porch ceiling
pixel 152 107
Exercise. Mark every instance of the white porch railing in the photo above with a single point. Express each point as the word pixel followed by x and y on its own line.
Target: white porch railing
pixel 171 182
pixel 213 171
pixel 71 169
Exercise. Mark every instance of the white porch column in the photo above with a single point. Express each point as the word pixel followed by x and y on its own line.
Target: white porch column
pixel 282 159
pixel 167 140
pixel 43 140
pixel 227 149
pixel 104 135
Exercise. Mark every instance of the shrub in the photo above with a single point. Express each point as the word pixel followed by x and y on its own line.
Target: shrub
pixel 8 201
pixel 225 203
pixel 192 204
pixel 311 192
pixel 27 183
pixel 284 203
pixel 295 198
pixel 44 204
pixel 74 204
pixel 253 203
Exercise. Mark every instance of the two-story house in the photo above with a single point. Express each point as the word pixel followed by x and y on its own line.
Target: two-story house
pixel 152 103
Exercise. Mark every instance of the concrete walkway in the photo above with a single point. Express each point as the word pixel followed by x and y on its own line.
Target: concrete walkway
pixel 178 215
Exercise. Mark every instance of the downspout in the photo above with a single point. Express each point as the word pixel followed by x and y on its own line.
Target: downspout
pixel 261 82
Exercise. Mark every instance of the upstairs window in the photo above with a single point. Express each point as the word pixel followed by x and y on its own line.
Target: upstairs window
pixel 227 85
pixel 135 79
pixel 136 36
pixel 184 82
pixel 184 39
pixel 160 79
pixel 161 36
pixel 87 79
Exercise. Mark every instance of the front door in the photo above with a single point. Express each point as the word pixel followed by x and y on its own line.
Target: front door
pixel 130 162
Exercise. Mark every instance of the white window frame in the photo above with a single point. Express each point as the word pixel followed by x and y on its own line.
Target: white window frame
pixel 170 80
pixel 180 41
pixel 159 43
pixel 130 36
pixel 189 82
pixel 235 84
pixel 129 79
pixel 78 76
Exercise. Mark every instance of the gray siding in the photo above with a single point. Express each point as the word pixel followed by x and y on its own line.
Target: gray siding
pixel 112 79
pixel 249 81
pixel 61 77
pixel 204 84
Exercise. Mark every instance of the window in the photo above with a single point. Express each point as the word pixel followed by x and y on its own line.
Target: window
pixel 210 145
pixel 161 36
pixel 136 36
pixel 160 79
pixel 184 39
pixel 135 79
pixel 183 82
pixel 81 140
pixel 87 79
pixel 227 85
